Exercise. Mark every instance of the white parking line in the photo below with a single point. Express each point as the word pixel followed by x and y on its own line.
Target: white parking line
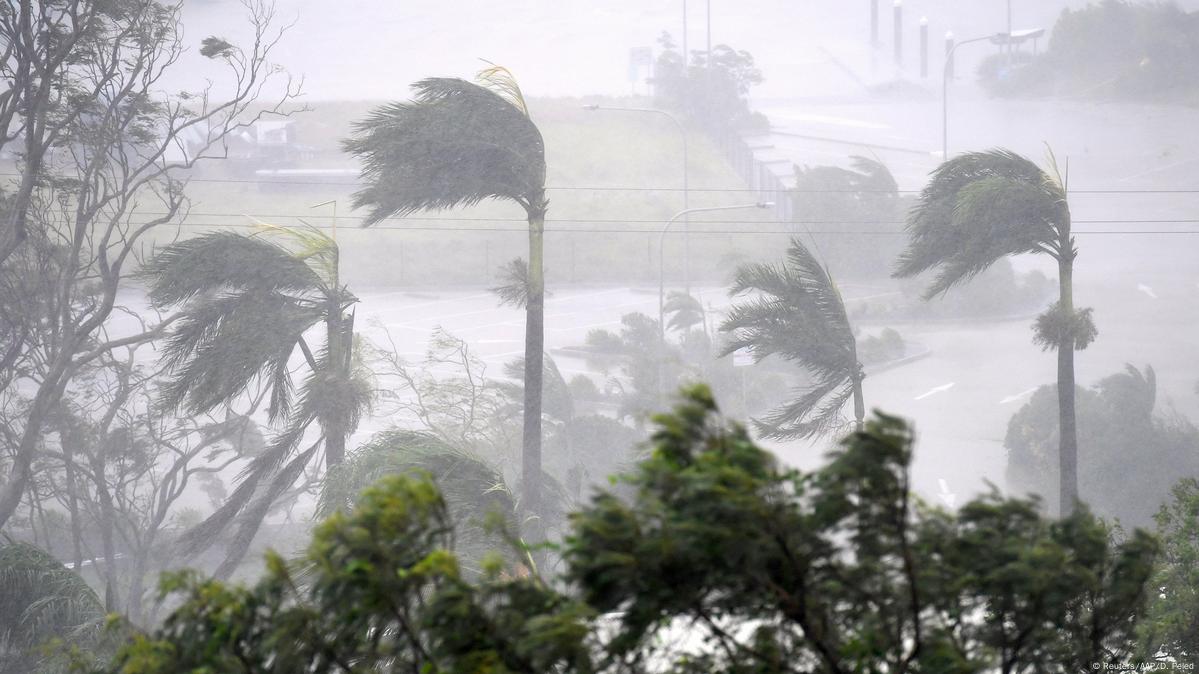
pixel 1014 398
pixel 427 304
pixel 934 391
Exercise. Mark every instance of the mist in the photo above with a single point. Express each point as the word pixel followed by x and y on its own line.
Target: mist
pixel 269 270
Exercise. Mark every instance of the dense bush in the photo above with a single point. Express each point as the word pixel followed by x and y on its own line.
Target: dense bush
pixel 1111 49
pixel 711 89
pixel 720 560
pixel 854 216
pixel 1128 455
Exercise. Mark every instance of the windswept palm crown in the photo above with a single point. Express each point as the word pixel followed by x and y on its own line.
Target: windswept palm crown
pixel 795 311
pixel 458 143
pixel 455 144
pixel 247 303
pixel 980 207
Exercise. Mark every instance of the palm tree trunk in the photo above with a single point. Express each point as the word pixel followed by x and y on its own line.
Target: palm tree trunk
pixel 1068 433
pixel 534 355
pixel 859 403
pixel 334 427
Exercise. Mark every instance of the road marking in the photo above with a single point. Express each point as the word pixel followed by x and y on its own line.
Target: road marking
pixel 384 310
pixel 585 327
pixel 563 298
pixel 1147 290
pixel 934 391
pixel 947 496
pixel 1012 399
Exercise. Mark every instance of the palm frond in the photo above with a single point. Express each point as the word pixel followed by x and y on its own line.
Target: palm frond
pixel 557 401
pixel 456 144
pixel 40 599
pixel 798 314
pixel 501 80
pixel 224 260
pixel 309 245
pixel 684 311
pixel 977 208
pixel 221 344
pixel 261 469
pixel 514 289
pixel 872 177
pixel 813 412
pixel 473 489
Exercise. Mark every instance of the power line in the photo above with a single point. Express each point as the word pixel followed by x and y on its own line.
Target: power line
pixel 657 221
pixel 613 188
pixel 580 230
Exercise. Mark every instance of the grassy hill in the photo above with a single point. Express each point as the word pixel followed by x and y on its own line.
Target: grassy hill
pixel 614 180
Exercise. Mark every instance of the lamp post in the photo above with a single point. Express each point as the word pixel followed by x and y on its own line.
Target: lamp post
pixel 662 268
pixel 945 86
pixel 686 191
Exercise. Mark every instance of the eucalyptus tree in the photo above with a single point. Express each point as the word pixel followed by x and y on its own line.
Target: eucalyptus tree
pixel 108 171
pixel 458 143
pixel 248 305
pixel 795 311
pixel 980 207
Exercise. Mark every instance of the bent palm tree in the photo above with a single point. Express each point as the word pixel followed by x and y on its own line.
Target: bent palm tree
pixel 473 489
pixel 799 316
pixel 247 304
pixel 40 599
pixel 980 207
pixel 456 144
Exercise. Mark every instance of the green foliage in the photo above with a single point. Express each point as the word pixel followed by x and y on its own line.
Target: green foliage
pixel 1053 328
pixel 720 560
pixel 381 592
pixel 796 312
pixel 473 489
pixel 40 601
pixel 1172 627
pixel 771 570
pixel 456 144
pixel 246 306
pixel 978 208
pixel 856 203
pixel 888 345
pixel 710 89
pixel 1110 49
pixel 1126 451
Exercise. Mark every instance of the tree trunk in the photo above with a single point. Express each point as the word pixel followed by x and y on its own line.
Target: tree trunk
pixel 338 345
pixel 859 403
pixel 1068 434
pixel 534 356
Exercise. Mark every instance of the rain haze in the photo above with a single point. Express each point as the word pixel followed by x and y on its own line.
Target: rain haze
pixel 623 283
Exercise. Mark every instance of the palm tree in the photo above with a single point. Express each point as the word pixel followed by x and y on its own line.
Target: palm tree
pixel 800 316
pixel 980 207
pixel 40 599
pixel 247 304
pixel 456 144
pixel 473 489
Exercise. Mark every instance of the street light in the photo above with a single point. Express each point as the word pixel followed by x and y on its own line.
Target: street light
pixel 686 202
pixel 662 268
pixel 996 38
pixel 662 256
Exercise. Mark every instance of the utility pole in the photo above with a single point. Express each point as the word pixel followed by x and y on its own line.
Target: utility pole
pixel 686 54
pixel 898 12
pixel 873 23
pixel 708 4
pixel 924 47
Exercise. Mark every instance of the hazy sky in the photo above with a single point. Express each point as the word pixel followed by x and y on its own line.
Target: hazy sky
pixel 375 48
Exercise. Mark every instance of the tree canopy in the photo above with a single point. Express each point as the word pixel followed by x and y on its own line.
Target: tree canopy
pixel 719 559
